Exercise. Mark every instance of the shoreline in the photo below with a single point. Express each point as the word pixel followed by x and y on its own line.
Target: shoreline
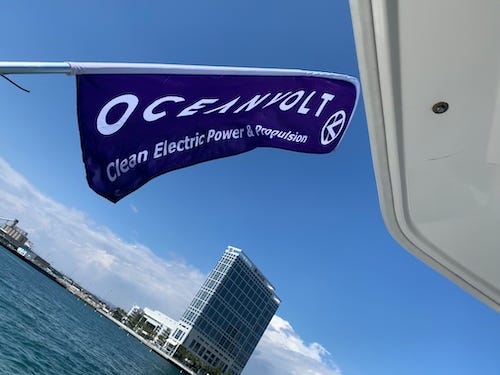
pixel 147 343
pixel 11 248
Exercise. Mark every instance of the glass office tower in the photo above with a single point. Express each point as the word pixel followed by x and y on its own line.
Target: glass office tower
pixel 229 314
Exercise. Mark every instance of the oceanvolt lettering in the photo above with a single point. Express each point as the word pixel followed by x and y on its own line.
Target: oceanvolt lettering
pixel 298 101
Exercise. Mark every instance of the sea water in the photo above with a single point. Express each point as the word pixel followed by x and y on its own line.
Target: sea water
pixel 46 330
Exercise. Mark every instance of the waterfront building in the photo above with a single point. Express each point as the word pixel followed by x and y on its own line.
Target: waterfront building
pixel 160 324
pixel 227 317
pixel 152 324
pixel 16 240
pixel 15 235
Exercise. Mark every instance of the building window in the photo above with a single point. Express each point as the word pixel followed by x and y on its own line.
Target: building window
pixel 179 334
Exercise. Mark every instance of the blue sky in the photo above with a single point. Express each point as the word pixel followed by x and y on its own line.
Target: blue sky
pixel 354 301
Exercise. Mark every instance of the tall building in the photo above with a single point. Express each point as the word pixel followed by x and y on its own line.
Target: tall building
pixel 228 316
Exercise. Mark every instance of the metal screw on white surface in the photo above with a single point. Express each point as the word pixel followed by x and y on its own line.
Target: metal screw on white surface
pixel 440 107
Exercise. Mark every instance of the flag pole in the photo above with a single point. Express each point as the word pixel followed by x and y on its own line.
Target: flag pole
pixel 21 67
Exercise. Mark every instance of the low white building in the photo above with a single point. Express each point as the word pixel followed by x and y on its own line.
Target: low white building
pixel 154 321
pixel 163 324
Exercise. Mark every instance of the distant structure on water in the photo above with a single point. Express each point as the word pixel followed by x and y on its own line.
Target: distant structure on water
pixel 227 317
pixel 13 234
pixel 15 239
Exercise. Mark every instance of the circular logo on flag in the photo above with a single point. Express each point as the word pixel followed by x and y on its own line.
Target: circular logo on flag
pixel 333 127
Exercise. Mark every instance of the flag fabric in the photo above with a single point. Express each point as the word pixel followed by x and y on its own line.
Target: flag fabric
pixel 138 121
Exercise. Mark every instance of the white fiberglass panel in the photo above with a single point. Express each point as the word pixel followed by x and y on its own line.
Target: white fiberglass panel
pixel 439 180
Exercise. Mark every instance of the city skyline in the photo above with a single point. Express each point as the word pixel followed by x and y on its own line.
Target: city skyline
pixel 221 326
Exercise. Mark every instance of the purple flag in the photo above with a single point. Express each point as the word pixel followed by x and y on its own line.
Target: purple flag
pixel 137 123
